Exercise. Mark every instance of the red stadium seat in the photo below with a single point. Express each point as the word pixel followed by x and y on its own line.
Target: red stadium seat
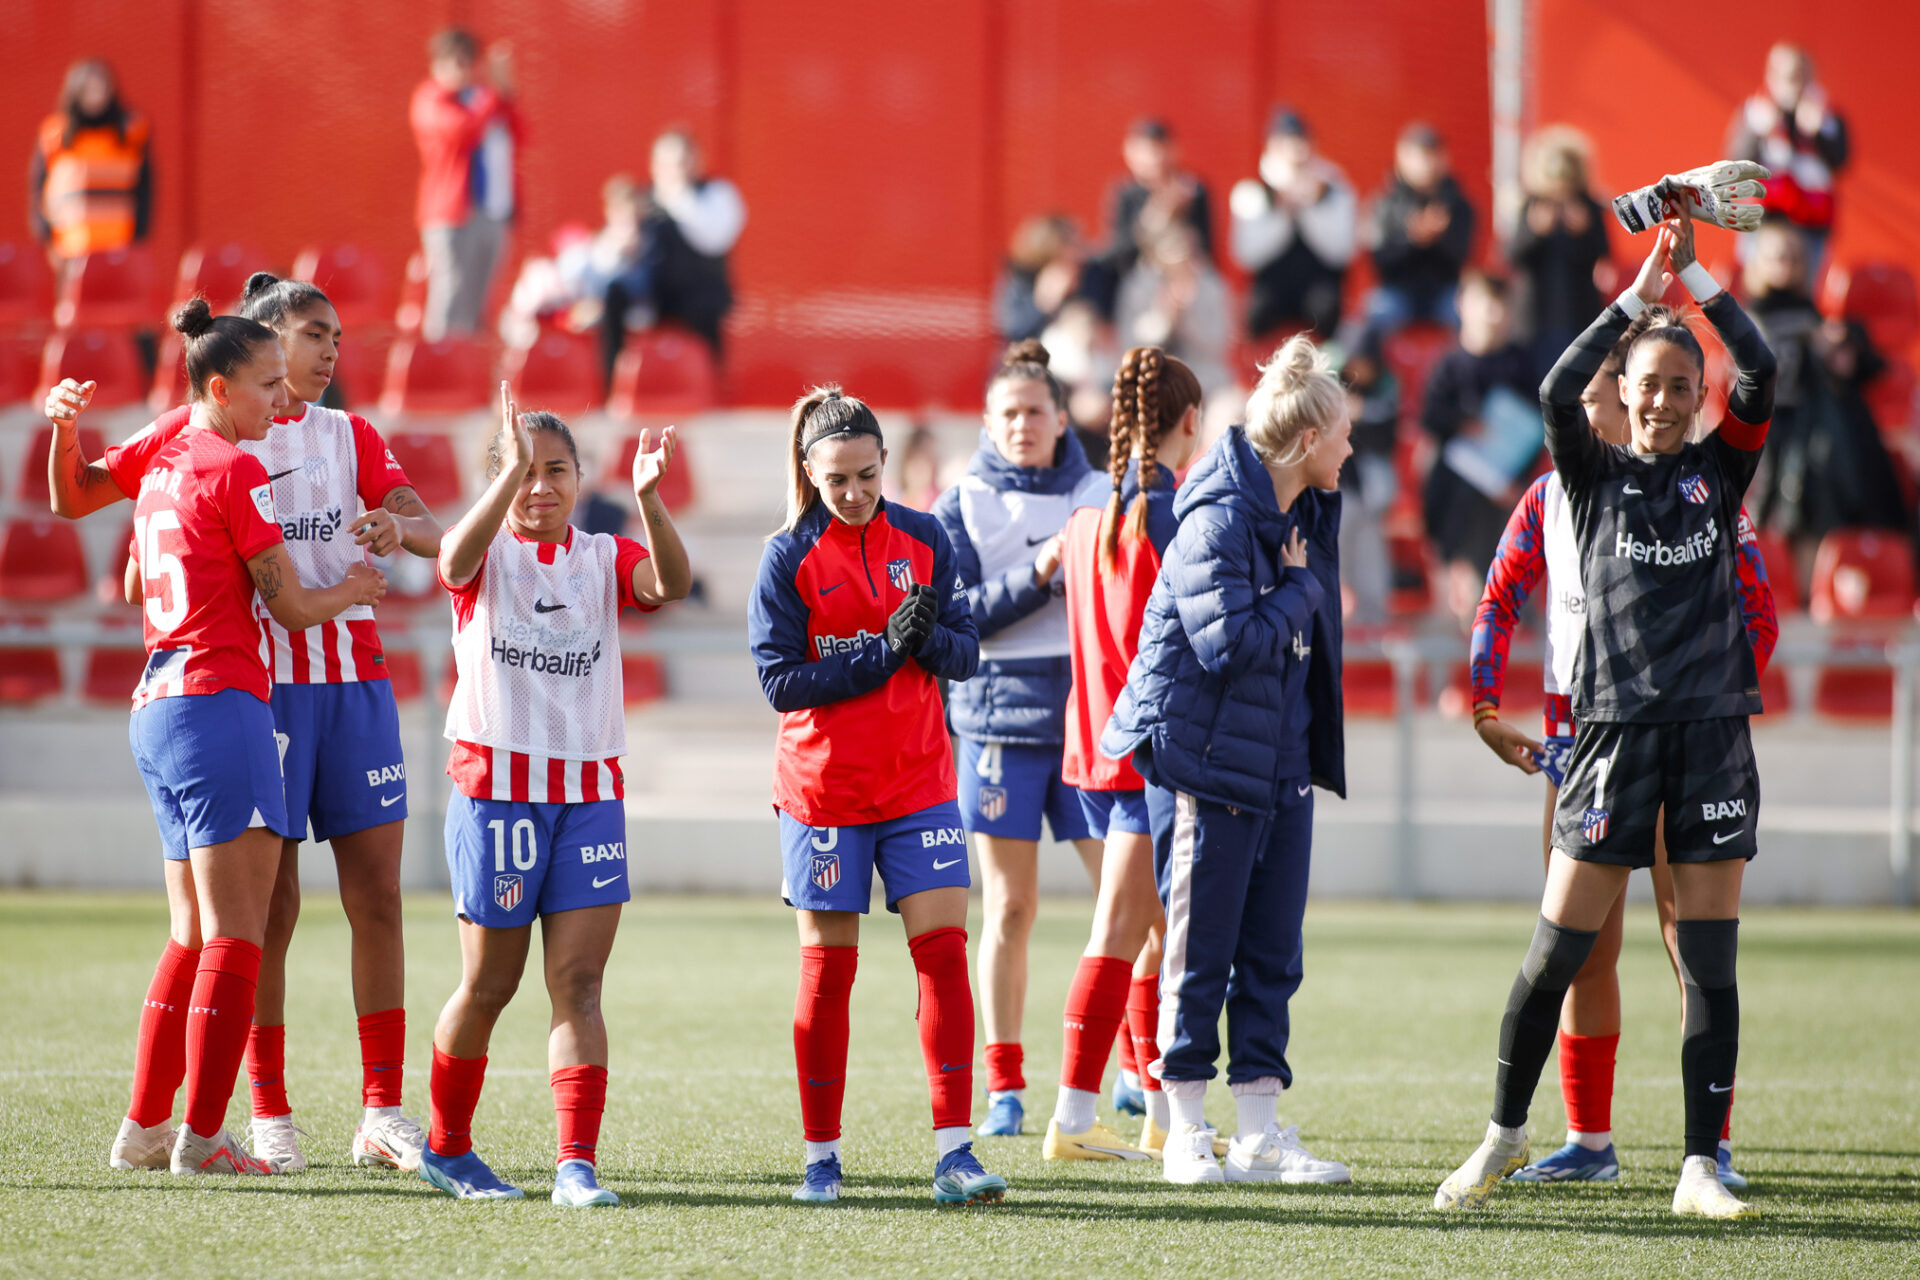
pixel 28 675
pixel 1881 296
pixel 1775 696
pixel 218 273
pixel 112 290
pixel 452 375
pixel 1782 573
pixel 1411 354
pixel 560 371
pixel 20 371
pixel 102 356
pixel 169 375
pixel 1854 693
pixel 41 560
pixel 26 289
pixel 112 673
pixel 676 487
pixel 1862 574
pixel 1890 398
pixel 33 466
pixel 664 370
pixel 430 464
pixel 404 674
pixel 644 678
pixel 353 279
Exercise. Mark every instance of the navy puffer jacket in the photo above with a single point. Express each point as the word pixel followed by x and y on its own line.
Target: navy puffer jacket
pixel 1236 686
pixel 997 518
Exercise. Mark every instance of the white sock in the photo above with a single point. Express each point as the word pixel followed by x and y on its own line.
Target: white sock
pixel 1157 1109
pixel 1258 1111
pixel 1073 1112
pixel 818 1151
pixel 1129 1078
pixel 1591 1141
pixel 1186 1102
pixel 376 1114
pixel 1508 1135
pixel 952 1138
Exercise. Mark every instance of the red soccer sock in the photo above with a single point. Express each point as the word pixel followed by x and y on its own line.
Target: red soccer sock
pixel 1096 1010
pixel 1586 1081
pixel 1123 1046
pixel 1006 1066
pixel 160 1048
pixel 579 1100
pixel 218 1015
pixel 820 1036
pixel 946 1024
pixel 1143 1026
pixel 267 1070
pixel 383 1052
pixel 454 1088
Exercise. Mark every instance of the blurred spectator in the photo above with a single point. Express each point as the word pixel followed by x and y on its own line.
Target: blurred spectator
pixel 1048 266
pixel 1368 482
pixel 692 223
pixel 1422 230
pixel 916 470
pixel 1294 229
pixel 1789 127
pixel 1156 195
pixel 1482 409
pixel 1173 298
pixel 1559 242
pixel 570 288
pixel 1826 466
pixel 90 184
pixel 1085 357
pixel 469 185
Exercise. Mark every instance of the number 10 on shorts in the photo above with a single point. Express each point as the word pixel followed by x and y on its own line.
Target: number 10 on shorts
pixel 525 852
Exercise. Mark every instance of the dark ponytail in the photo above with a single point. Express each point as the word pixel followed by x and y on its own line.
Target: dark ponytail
pixel 216 346
pixel 821 413
pixel 273 301
pixel 1028 359
pixel 1151 393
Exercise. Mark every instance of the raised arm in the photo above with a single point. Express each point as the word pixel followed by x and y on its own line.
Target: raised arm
pixel 76 486
pixel 665 575
pixel 465 545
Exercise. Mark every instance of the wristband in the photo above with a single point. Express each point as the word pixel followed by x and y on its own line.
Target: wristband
pixel 1699 281
pixel 1485 714
pixel 1630 303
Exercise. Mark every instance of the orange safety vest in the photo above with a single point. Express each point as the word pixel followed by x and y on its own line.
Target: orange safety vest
pixel 88 199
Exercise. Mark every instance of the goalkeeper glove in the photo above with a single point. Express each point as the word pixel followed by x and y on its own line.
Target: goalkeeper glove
pixel 1710 193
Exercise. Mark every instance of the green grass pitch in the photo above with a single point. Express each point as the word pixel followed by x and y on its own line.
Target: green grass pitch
pixel 1393 1038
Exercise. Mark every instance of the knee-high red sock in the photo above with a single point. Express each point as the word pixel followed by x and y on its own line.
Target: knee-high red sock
pixel 454 1088
pixel 579 1100
pixel 1006 1066
pixel 160 1048
pixel 820 1036
pixel 1096 1009
pixel 946 1023
pixel 267 1070
pixel 1143 1026
pixel 218 1015
pixel 1123 1046
pixel 383 1052
pixel 1586 1081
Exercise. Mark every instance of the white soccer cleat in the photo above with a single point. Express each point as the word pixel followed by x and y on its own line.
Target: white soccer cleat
pixel 276 1140
pixel 139 1147
pixel 1277 1156
pixel 393 1140
pixel 1701 1194
pixel 1471 1185
pixel 194 1155
pixel 1187 1158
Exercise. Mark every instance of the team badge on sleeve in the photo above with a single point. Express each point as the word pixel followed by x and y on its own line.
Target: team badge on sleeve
pixel 900 574
pixel 1593 825
pixel 262 496
pixel 993 803
pixel 1694 490
pixel 507 891
pixel 824 871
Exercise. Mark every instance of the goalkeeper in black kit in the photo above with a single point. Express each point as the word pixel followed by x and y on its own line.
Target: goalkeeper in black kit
pixel 1664 683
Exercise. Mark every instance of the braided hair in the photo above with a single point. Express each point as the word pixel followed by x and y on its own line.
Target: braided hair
pixel 1152 392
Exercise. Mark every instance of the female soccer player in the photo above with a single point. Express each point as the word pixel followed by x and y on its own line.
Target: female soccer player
pixel 332 703
pixel 856 613
pixel 1024 481
pixel 1539 536
pixel 536 828
pixel 1661 698
pixel 1231 713
pixel 207 540
pixel 1110 555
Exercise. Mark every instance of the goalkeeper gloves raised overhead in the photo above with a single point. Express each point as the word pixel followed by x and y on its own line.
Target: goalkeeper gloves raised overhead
pixel 1717 193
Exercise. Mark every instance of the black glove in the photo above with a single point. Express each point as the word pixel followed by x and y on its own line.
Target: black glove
pixel 912 622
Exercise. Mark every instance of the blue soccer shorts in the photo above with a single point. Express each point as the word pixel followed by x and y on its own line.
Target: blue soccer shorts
pixel 1553 761
pixel 511 861
pixel 1006 787
pixel 831 868
pixel 340 751
pixel 211 768
pixel 1116 811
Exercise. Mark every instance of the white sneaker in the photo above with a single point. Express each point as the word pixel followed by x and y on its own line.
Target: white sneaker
pixel 1471 1185
pixel 194 1155
pixel 276 1140
pixel 1277 1156
pixel 1701 1194
pixel 1188 1157
pixel 394 1141
pixel 138 1147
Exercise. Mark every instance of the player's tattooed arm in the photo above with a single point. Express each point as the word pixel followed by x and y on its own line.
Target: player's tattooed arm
pixel 269 575
pixel 296 606
pixel 75 485
pixel 402 522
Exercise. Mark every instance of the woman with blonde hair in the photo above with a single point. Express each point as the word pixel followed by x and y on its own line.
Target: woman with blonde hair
pixel 1232 714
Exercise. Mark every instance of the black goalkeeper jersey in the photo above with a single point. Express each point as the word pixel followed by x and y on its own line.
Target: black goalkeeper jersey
pixel 1663 637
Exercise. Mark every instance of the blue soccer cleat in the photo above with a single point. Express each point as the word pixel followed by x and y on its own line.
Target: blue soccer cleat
pixel 959 1179
pixel 1573 1163
pixel 575 1187
pixel 1729 1179
pixel 822 1183
pixel 1006 1118
pixel 465 1177
pixel 1128 1099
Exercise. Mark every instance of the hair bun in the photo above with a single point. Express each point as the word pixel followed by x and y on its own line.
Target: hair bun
pixel 1026 351
pixel 258 283
pixel 1294 363
pixel 193 318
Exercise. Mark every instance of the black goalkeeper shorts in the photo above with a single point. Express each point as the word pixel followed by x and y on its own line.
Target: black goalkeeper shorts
pixel 1621 775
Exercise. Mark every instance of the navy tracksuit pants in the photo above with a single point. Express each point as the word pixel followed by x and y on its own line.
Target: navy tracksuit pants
pixel 1234 885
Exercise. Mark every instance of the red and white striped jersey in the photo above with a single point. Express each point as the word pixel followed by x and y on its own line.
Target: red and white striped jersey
pixel 538 713
pixel 324 465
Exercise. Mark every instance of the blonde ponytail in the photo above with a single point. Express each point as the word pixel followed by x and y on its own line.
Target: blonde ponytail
pixel 1297 391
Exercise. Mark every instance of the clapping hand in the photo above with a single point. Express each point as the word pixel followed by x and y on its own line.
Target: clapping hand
pixel 650 464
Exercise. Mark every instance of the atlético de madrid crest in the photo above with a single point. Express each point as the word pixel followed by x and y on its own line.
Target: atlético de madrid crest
pixel 824 871
pixel 1593 825
pixel 507 891
pixel 993 803
pixel 900 574
pixel 1694 490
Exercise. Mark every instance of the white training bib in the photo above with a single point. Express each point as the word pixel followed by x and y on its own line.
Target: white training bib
pixel 1566 592
pixel 1008 527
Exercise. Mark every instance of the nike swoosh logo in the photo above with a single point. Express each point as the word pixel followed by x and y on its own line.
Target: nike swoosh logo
pixel 541 606
pixel 829 590
pixel 821 1084
pixel 598 883
pixel 277 474
pixel 1630 489
pixel 1719 1088
pixel 959 1066
pixel 1718 839
pixel 1307 788
pixel 1034 542
pixel 1123 1153
pixel 391 800
pixel 942 866
pixel 1503 1062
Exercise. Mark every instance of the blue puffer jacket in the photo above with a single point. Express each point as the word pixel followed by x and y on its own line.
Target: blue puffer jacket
pixel 1236 687
pixel 997 517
